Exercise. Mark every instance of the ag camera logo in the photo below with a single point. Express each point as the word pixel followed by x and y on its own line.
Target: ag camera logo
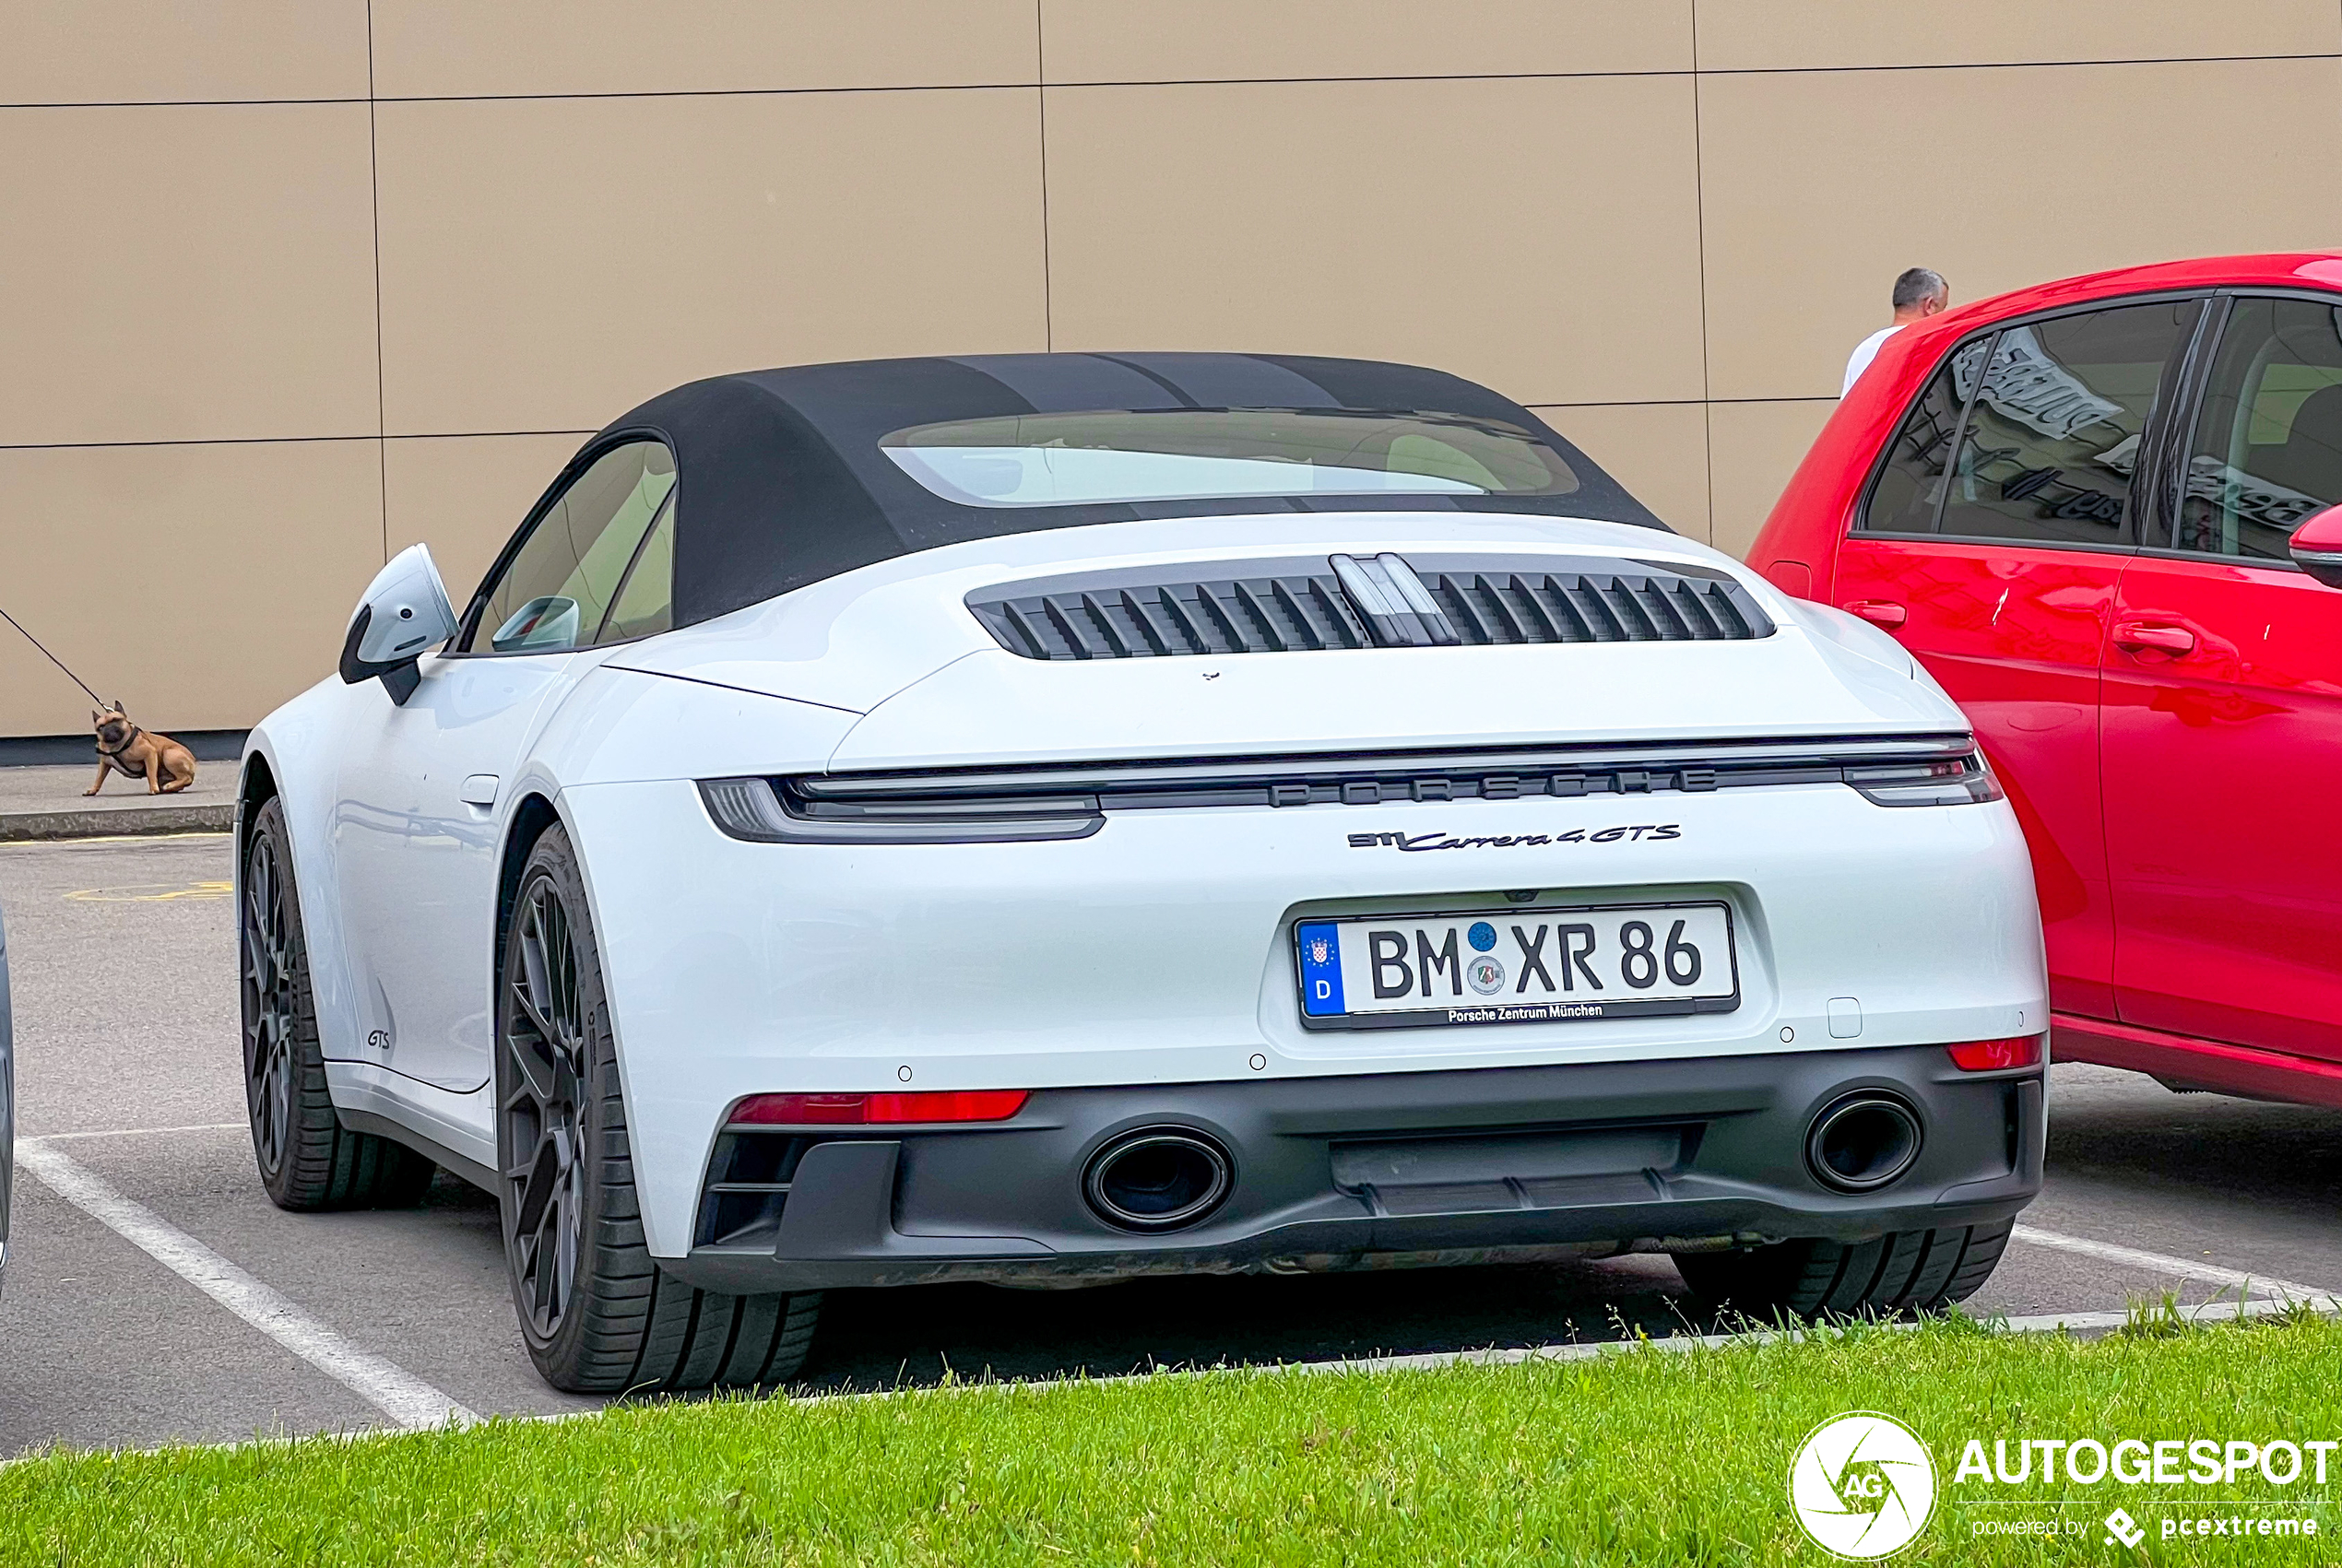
pixel 1863 1485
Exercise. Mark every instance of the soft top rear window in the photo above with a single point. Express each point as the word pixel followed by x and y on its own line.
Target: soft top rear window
pixel 1104 455
pixel 792 475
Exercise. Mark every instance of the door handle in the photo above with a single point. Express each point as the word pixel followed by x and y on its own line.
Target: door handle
pixel 1880 612
pixel 2150 636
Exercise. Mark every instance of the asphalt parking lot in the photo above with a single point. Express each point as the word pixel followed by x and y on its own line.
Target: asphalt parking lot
pixel 124 972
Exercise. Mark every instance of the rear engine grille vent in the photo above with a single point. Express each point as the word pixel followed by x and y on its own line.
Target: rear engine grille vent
pixel 1266 615
pixel 1259 615
pixel 1512 607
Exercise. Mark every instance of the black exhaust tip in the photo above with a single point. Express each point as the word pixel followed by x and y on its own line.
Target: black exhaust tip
pixel 1863 1142
pixel 1158 1179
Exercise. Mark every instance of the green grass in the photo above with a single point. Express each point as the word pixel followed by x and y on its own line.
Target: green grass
pixel 1626 1459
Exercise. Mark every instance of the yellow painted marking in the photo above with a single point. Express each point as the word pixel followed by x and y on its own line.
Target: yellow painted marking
pixel 153 893
pixel 111 838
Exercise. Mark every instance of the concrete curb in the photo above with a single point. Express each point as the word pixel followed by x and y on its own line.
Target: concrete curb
pixel 2073 1325
pixel 215 816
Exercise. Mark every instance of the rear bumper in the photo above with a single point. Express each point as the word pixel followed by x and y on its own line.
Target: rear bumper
pixel 1523 1164
pixel 1160 950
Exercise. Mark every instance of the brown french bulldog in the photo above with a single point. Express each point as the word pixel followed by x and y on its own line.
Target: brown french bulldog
pixel 167 766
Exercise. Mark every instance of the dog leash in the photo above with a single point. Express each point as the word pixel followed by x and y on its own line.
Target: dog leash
pixel 51 657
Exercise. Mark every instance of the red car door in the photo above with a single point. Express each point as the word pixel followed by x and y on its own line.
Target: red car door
pixel 2223 711
pixel 1991 545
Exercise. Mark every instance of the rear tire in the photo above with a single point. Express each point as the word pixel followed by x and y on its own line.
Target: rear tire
pixel 308 1159
pixel 598 1313
pixel 1902 1271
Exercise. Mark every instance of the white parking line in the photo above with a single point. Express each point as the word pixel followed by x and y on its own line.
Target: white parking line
pixel 2161 1263
pixel 392 1389
pixel 139 1132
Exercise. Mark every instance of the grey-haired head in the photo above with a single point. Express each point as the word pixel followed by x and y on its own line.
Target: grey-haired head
pixel 1919 285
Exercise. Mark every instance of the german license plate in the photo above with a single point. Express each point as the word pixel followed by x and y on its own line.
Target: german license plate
pixel 1548 965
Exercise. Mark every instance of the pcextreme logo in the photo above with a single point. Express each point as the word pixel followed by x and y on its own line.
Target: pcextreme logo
pixel 1863 1485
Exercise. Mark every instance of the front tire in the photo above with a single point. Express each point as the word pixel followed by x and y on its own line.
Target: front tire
pixel 1902 1271
pixel 595 1310
pixel 308 1159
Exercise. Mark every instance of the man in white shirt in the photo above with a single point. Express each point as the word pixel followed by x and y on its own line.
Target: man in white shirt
pixel 1919 294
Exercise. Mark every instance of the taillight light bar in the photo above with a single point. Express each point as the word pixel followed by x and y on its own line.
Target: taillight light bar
pixel 1959 781
pixel 1991 1056
pixel 863 1110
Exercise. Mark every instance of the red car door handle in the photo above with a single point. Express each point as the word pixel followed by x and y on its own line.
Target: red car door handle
pixel 2149 636
pixel 1880 612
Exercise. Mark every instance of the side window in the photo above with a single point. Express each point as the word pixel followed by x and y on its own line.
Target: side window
pixel 557 592
pixel 1910 489
pixel 2267 450
pixel 2054 425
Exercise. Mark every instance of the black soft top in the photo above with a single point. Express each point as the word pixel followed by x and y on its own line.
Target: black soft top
pixel 781 481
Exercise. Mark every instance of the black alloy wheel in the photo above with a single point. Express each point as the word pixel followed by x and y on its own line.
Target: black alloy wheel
pixel 270 1012
pixel 543 1142
pixel 307 1158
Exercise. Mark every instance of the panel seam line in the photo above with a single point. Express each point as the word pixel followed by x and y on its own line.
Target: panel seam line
pixel 374 194
pixel 1699 238
pixel 1041 102
pixel 1182 81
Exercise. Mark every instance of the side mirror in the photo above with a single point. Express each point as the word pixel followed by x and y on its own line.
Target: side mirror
pixel 2316 546
pixel 404 612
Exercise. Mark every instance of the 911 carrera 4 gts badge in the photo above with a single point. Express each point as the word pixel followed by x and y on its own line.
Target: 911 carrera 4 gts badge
pixel 1646 833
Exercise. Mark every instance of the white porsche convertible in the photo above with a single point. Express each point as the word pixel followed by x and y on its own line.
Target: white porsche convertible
pixel 1060 818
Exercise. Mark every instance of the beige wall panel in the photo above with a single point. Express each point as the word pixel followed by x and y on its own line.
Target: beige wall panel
pixel 1181 40
pixel 1540 236
pixel 175 51
pixel 1739 35
pixel 1753 448
pixel 464 495
pixel 201 584
pixel 186 274
pixel 1814 202
pixel 468 49
pixel 1659 450
pixel 548 264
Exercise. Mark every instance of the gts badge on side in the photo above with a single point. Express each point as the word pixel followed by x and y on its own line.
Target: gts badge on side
pixel 1648 832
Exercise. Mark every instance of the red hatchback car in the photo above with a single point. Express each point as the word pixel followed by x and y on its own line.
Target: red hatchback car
pixel 2094 510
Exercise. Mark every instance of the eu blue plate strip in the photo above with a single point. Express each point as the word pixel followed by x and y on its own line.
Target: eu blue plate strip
pixel 1321 944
